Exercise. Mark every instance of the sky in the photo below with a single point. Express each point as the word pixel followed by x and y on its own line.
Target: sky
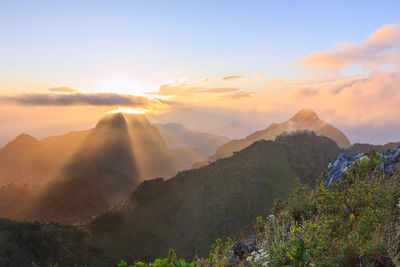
pixel 64 64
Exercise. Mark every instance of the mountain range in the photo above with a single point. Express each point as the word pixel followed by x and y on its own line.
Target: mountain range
pixel 305 119
pixel 89 176
pixel 192 209
pixel 106 163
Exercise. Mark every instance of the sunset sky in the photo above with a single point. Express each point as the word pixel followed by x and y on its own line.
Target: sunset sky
pixel 64 64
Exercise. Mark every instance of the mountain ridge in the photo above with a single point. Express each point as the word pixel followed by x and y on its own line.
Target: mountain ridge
pixel 305 119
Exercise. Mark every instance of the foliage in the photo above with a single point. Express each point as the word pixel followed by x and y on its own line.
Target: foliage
pixel 218 255
pixel 170 261
pixel 24 243
pixel 189 211
pixel 354 223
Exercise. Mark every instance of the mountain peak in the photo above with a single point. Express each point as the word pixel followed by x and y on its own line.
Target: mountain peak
pixel 305 115
pixel 116 120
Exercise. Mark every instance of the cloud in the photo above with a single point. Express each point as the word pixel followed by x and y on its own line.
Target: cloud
pixel 206 80
pixel 219 90
pixel 63 89
pixel 236 95
pixel 96 99
pixel 380 49
pixel 185 89
pixel 231 78
pixel 257 76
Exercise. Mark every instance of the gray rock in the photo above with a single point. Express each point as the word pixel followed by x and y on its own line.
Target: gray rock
pixel 336 169
pixel 240 250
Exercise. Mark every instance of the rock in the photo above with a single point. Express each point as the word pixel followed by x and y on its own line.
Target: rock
pixel 336 169
pixel 241 250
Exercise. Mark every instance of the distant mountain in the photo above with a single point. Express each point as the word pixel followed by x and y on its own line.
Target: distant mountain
pixel 363 148
pixel 188 146
pixel 232 130
pixel 27 160
pixel 305 119
pixel 178 136
pixel 189 211
pixel 80 174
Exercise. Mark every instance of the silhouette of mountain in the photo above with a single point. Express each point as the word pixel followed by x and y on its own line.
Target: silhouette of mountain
pixel 305 119
pixel 189 211
pixel 105 159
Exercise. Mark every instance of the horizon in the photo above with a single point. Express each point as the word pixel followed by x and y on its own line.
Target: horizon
pixel 201 65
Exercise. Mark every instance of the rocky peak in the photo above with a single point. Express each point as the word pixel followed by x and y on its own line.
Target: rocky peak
pixel 305 116
pixel 116 120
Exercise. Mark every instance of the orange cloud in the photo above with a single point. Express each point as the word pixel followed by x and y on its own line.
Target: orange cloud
pixel 63 89
pixel 378 50
pixel 231 78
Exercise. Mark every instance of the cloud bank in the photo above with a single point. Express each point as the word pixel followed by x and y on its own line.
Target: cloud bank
pixel 380 49
pixel 99 99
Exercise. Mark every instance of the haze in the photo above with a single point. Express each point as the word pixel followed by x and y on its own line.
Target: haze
pixel 202 64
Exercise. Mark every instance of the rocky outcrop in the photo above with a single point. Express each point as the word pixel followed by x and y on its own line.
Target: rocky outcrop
pixel 240 250
pixel 336 169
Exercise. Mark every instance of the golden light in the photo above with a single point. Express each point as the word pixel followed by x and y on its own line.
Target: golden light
pixel 128 110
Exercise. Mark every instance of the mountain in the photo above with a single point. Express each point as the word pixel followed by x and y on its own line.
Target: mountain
pixel 70 177
pixel 195 207
pixel 178 136
pixel 188 146
pixel 363 148
pixel 105 159
pixel 232 130
pixel 27 160
pixel 305 119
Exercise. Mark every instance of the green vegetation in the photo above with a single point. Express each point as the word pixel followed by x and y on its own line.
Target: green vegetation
pixel 26 244
pixel 170 261
pixel 191 210
pixel 355 223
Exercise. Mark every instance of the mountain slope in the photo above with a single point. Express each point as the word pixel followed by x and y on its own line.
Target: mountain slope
pixel 305 119
pixel 105 159
pixel 189 211
pixel 27 160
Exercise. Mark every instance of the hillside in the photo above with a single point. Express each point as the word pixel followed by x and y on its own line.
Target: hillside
pixel 26 244
pixel 352 223
pixel 27 160
pixel 305 119
pixel 189 211
pixel 66 201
